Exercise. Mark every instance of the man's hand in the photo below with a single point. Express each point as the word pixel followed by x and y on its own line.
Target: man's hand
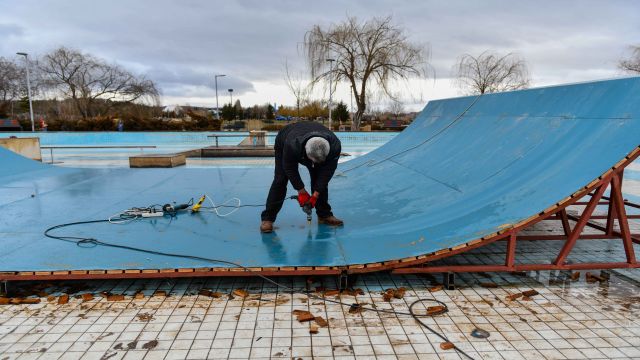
pixel 313 199
pixel 303 197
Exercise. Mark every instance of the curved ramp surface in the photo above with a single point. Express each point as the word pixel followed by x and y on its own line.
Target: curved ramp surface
pixel 465 169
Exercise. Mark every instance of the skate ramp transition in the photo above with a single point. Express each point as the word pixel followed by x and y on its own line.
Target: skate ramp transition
pixel 466 169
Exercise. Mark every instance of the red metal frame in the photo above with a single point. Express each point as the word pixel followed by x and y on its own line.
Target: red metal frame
pixel 616 211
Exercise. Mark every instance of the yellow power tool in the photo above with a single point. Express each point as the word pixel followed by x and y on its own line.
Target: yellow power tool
pixel 195 208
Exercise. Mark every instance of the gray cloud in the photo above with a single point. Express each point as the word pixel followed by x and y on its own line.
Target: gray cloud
pixel 10 30
pixel 180 78
pixel 182 44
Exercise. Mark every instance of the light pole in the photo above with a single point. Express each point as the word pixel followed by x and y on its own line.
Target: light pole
pixel 26 60
pixel 231 96
pixel 330 88
pixel 217 108
pixel 351 107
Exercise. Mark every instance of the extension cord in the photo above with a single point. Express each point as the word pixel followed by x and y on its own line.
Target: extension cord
pixel 152 214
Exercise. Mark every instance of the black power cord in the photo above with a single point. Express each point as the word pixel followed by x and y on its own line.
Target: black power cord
pixel 292 197
pixel 92 242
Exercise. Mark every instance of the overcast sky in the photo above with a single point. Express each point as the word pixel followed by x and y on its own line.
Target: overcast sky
pixel 181 44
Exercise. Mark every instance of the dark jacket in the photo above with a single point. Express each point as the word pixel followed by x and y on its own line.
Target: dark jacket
pixel 291 141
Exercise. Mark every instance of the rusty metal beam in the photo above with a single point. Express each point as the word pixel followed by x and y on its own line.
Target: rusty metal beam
pixel 516 268
pixel 566 227
pixel 511 250
pixel 615 234
pixel 575 233
pixel 620 213
pixel 163 275
pixel 602 217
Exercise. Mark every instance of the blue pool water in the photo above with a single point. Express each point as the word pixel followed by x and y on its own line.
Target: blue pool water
pixel 353 143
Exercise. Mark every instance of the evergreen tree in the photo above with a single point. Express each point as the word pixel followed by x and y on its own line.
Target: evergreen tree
pixel 237 107
pixel 23 104
pixel 340 113
pixel 228 112
pixel 270 110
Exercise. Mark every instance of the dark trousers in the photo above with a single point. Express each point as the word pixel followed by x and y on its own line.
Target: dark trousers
pixel 278 192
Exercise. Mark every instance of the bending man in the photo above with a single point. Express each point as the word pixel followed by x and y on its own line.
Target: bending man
pixel 316 147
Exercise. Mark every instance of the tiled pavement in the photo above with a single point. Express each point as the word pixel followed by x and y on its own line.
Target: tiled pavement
pixel 569 319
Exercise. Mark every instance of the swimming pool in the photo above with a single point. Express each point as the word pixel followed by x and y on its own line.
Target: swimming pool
pixel 354 143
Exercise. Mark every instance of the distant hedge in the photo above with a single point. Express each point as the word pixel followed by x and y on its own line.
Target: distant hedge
pixel 111 124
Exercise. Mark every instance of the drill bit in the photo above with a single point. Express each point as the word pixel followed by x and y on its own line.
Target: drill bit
pixel 307 210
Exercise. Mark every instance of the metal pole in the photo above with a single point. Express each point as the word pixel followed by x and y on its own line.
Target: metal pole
pixel 330 88
pixel 217 106
pixel 217 109
pixel 26 60
pixel 351 107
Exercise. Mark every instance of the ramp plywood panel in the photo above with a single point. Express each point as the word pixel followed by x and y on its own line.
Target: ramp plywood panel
pixel 468 168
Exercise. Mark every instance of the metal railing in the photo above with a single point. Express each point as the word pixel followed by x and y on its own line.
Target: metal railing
pixel 236 136
pixel 368 137
pixel 141 147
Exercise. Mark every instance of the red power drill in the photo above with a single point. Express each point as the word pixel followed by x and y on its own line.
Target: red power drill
pixel 306 208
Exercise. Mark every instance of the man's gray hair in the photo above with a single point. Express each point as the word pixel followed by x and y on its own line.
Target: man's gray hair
pixel 317 149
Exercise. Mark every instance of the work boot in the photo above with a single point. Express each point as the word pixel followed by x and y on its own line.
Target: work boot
pixel 330 220
pixel 266 226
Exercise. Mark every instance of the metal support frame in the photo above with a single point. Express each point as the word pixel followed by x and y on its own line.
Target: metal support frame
pixel 582 222
pixel 346 280
pixel 449 280
pixel 616 212
pixel 343 281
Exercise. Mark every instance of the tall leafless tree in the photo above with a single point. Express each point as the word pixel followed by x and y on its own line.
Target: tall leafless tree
pixel 632 64
pixel 396 108
pixel 92 84
pixel 11 80
pixel 299 87
pixel 490 72
pixel 12 83
pixel 375 51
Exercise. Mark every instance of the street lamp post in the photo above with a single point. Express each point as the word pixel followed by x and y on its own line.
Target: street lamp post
pixel 351 107
pixel 217 108
pixel 330 88
pixel 231 96
pixel 26 60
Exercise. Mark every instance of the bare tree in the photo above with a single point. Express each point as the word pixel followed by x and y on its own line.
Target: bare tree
pixel 396 108
pixel 12 84
pixel 490 72
pixel 632 64
pixel 371 51
pixel 92 84
pixel 11 80
pixel 299 87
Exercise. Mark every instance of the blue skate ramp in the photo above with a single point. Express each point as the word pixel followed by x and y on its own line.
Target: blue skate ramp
pixel 465 169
